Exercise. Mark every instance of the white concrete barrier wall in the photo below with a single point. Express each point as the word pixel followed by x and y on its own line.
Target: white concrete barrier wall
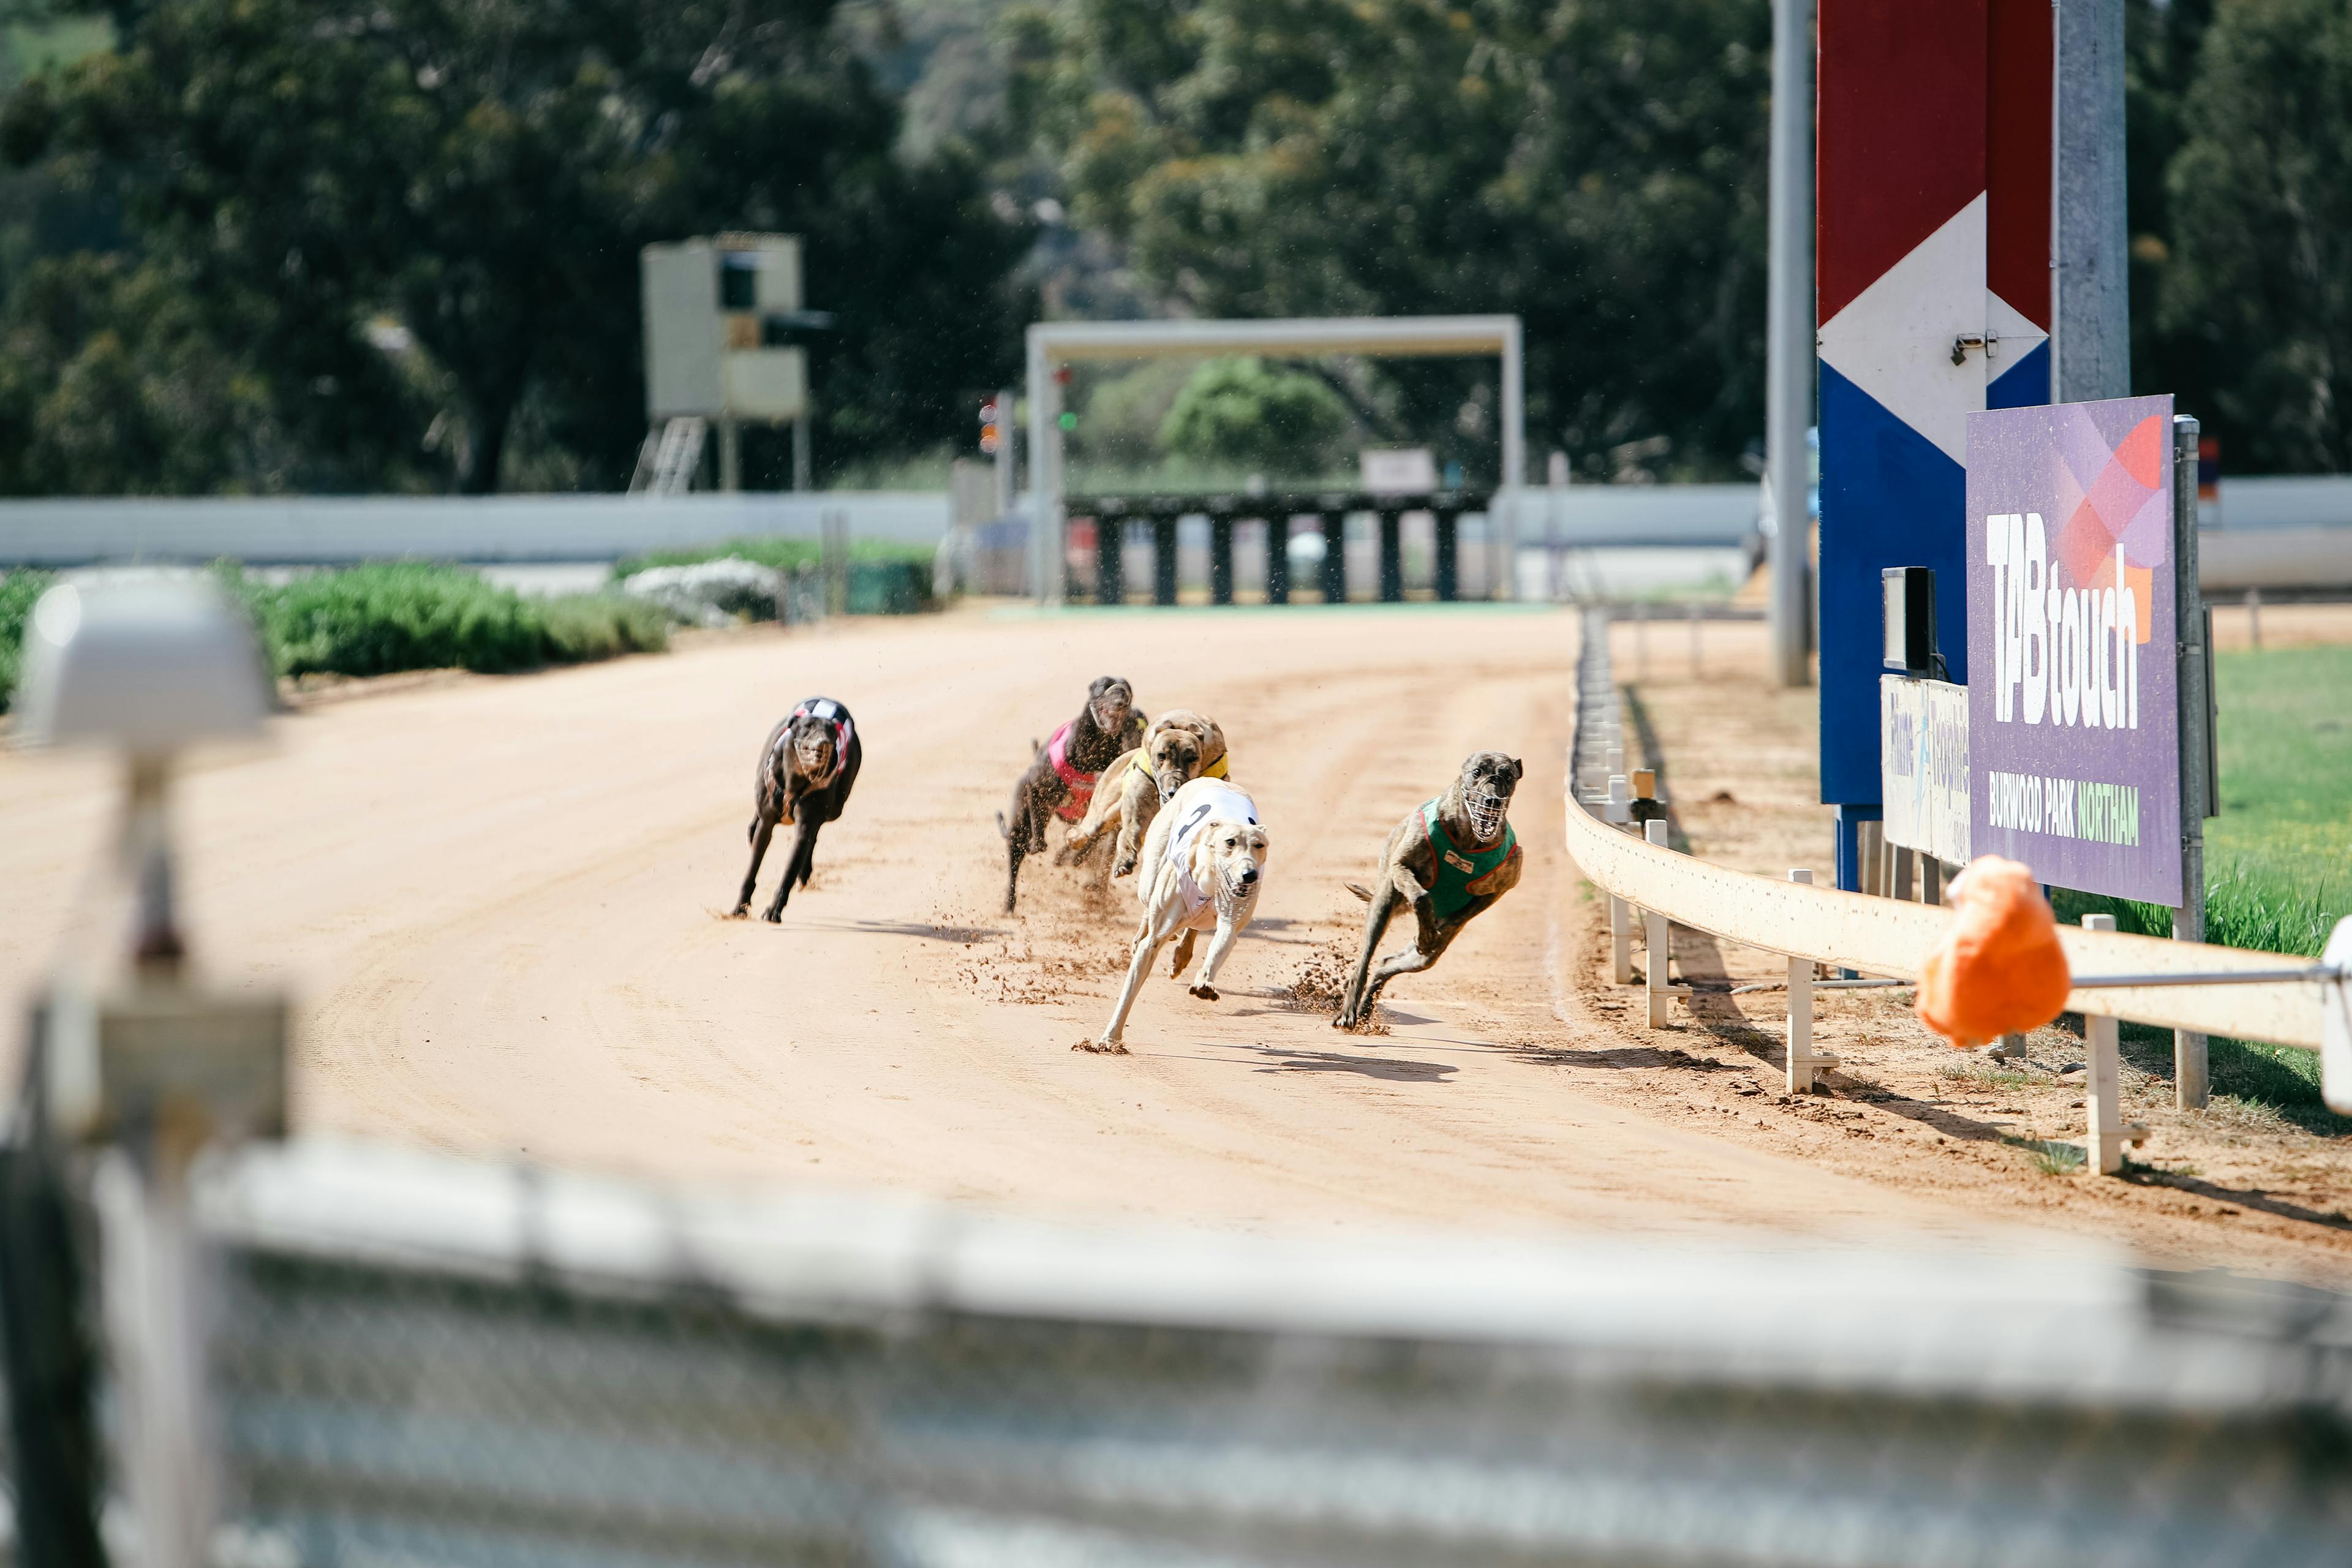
pixel 2265 532
pixel 304 528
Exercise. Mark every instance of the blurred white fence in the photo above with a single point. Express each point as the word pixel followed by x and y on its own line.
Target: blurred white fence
pixel 271 530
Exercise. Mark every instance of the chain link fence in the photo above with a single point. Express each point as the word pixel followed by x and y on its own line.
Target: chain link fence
pixel 427 1362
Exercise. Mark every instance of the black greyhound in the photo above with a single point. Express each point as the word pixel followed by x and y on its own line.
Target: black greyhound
pixel 806 768
pixel 1060 780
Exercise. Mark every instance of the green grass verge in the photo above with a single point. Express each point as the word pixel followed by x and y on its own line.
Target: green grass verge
pixel 2278 857
pixel 18 592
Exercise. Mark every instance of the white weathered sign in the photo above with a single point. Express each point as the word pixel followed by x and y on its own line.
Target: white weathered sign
pixel 1923 765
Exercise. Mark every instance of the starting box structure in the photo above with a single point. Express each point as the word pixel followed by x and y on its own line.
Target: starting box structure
pixel 1056 344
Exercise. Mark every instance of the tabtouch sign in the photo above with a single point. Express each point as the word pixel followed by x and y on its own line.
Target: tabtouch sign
pixel 2074 727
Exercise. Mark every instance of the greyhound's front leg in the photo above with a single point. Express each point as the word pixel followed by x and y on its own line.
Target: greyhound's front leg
pixel 1429 945
pixel 1183 954
pixel 763 827
pixel 803 839
pixel 1147 947
pixel 1352 1002
pixel 1228 930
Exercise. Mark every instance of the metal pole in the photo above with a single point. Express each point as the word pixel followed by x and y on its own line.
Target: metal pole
pixel 1006 487
pixel 1502 517
pixel 1789 331
pixel 730 454
pixel 803 467
pixel 2090 276
pixel 1045 475
pixel 2190 1083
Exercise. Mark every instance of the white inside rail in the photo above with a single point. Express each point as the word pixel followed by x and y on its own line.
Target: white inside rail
pixel 1652 887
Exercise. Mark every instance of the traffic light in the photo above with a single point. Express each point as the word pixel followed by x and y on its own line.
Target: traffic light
pixel 991 433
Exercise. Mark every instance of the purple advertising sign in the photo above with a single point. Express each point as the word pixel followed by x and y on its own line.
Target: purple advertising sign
pixel 2074 729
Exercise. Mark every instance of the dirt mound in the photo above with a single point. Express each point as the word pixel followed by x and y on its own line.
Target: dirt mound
pixel 1322 981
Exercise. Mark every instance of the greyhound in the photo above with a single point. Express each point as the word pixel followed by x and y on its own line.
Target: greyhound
pixel 1450 858
pixel 806 768
pixel 1183 746
pixel 1060 780
pixel 1206 857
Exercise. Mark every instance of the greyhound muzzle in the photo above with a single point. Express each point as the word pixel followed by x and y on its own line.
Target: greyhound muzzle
pixel 811 753
pixel 1486 813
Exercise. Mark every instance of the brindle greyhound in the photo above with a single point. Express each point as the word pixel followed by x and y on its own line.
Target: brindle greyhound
pixel 1181 746
pixel 1450 858
pixel 806 768
pixel 1060 780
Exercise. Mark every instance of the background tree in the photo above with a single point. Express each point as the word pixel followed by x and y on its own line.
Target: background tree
pixel 1243 411
pixel 478 178
pixel 1597 167
pixel 2258 279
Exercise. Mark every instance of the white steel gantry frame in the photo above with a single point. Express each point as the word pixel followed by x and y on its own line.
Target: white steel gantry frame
pixel 1053 345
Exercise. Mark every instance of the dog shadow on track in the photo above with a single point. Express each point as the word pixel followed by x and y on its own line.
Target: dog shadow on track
pixel 1394 1070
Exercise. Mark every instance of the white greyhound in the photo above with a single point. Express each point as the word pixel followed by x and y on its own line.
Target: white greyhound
pixel 1205 857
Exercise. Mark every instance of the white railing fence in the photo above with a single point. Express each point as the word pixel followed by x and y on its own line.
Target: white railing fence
pixel 1652 887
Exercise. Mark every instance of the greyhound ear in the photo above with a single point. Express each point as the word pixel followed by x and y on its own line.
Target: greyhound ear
pixel 1518 770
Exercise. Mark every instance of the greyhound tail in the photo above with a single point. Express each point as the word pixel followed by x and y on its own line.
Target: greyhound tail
pixel 1002 831
pixel 1359 890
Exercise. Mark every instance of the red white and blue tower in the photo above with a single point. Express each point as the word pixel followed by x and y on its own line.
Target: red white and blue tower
pixel 1933 203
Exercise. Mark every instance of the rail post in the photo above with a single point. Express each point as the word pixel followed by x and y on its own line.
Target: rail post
pixel 1221 560
pixel 1277 560
pixel 1802 1062
pixel 1392 557
pixel 1447 574
pixel 2103 1094
pixel 1335 557
pixel 1657 944
pixel 1110 559
pixel 1163 559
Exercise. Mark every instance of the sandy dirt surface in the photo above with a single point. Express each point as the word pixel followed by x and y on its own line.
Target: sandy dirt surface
pixel 2237 1183
pixel 2281 626
pixel 501 904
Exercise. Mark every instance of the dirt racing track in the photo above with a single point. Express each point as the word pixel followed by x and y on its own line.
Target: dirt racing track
pixel 500 902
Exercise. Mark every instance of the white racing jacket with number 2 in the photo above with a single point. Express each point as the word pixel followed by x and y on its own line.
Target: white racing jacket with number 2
pixel 1202 801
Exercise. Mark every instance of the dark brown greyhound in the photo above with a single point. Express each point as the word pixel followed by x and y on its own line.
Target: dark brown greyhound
pixel 806 768
pixel 1450 858
pixel 1060 780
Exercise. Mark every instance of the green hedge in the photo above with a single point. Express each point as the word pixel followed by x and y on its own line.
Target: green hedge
pixel 18 592
pixel 376 619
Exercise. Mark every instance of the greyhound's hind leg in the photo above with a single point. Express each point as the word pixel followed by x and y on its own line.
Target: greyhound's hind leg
pixel 1016 845
pixel 763 827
